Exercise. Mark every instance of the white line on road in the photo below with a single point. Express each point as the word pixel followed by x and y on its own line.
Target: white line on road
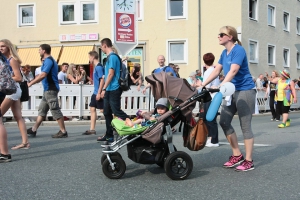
pixel 257 145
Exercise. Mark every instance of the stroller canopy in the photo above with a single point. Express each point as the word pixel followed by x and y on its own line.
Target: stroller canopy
pixel 177 90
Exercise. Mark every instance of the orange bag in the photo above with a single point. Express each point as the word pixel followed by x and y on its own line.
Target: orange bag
pixel 195 136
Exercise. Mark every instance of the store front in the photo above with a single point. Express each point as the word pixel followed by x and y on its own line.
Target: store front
pixel 135 56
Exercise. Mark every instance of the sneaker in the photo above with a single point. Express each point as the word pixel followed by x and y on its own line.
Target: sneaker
pixel 212 145
pixel 5 158
pixel 233 161
pixel 277 120
pixel 272 119
pixel 89 132
pixel 282 125
pixel 288 123
pixel 21 146
pixel 26 119
pixel 75 119
pixel 60 135
pixel 31 133
pixel 245 166
pixel 104 138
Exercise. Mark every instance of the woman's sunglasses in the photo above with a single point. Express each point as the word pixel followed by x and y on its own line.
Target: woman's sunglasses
pixel 222 34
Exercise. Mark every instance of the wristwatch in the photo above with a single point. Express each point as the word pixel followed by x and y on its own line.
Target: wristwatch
pixel 103 89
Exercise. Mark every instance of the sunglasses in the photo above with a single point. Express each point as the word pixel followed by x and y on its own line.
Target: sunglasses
pixel 222 34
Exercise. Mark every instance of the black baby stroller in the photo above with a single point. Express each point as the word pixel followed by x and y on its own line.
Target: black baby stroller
pixel 153 144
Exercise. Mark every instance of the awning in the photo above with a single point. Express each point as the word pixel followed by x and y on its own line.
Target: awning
pixel 77 55
pixel 30 56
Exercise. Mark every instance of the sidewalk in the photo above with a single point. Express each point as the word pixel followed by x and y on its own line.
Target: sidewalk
pixel 87 122
pixel 52 123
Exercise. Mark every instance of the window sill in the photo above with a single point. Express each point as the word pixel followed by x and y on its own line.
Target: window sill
pixel 179 62
pixel 286 66
pixel 253 61
pixel 273 65
pixel 271 26
pixel 253 19
pixel 20 26
pixel 88 22
pixel 286 30
pixel 176 18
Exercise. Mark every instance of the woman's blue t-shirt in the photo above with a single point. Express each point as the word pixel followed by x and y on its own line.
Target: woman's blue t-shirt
pixel 243 79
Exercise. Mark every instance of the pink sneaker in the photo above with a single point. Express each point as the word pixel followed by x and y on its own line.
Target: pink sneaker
pixel 245 166
pixel 233 161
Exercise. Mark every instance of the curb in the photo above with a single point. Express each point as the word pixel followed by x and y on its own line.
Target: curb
pixel 54 123
pixel 88 122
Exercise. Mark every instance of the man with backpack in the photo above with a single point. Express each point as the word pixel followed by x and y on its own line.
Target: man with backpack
pixel 50 83
pixel 111 91
pixel 96 100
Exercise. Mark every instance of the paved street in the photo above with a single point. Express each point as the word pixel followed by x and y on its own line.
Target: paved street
pixel 70 168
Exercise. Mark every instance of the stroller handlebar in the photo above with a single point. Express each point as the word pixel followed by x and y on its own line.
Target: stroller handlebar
pixel 213 89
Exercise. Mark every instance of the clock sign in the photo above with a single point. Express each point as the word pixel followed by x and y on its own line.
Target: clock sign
pixel 125 25
pixel 125 6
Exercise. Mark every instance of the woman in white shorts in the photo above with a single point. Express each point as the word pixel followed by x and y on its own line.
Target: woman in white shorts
pixel 13 101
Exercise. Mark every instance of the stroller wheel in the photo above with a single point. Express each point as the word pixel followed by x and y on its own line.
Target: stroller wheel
pixel 119 167
pixel 103 157
pixel 178 165
pixel 162 162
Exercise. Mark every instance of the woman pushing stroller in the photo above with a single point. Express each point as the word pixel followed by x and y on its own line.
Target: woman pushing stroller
pixel 234 62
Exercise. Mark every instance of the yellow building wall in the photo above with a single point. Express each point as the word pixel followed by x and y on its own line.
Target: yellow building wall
pixel 155 29
pixel 214 15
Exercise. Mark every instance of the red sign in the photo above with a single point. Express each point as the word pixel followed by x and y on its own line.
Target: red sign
pixel 125 27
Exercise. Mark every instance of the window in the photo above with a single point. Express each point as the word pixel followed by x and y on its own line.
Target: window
pixel 88 12
pixel 271 54
pixel 271 15
pixel 68 15
pixel 140 9
pixel 26 15
pixel 286 21
pixel 177 51
pixel 286 58
pixel 298 25
pixel 176 9
pixel 253 9
pixel 76 12
pixel 298 60
pixel 253 51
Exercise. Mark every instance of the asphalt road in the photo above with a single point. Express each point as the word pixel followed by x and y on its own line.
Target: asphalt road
pixel 70 168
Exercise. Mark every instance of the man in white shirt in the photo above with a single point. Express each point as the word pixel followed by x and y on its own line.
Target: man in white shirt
pixel 38 69
pixel 259 83
pixel 62 75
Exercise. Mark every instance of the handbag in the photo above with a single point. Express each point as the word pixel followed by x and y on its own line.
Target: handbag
pixel 196 136
pixel 7 83
pixel 25 90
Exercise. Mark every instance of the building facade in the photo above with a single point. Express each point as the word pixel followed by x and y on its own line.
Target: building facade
pixel 181 30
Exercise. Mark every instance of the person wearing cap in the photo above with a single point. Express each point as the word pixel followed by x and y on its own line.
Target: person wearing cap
pixel 285 95
pixel 161 107
pixel 193 81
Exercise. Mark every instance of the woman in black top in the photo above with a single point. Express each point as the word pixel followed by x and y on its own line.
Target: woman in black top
pixel 271 91
pixel 136 76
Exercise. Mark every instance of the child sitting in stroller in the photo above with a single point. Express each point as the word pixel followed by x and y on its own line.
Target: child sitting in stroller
pixel 146 118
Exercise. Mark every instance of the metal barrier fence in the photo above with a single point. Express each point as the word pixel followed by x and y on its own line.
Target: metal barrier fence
pixel 75 99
